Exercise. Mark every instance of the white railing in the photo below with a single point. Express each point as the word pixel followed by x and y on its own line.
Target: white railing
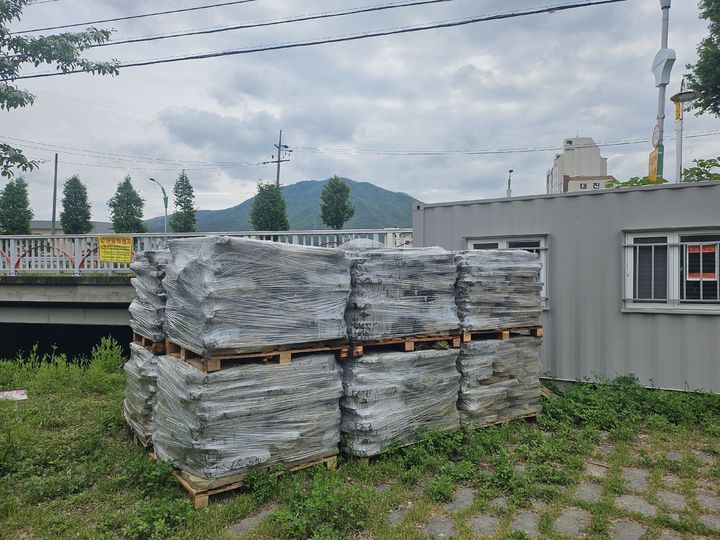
pixel 70 254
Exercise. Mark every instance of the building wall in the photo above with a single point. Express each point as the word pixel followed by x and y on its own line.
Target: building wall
pixel 580 157
pixel 586 330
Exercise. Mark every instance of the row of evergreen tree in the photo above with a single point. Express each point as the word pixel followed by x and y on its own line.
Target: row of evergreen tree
pixel 126 207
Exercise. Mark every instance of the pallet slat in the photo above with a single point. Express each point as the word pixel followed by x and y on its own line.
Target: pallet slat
pixel 357 348
pixel 155 347
pixel 283 355
pixel 501 333
pixel 199 492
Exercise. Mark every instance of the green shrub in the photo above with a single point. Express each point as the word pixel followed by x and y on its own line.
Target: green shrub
pixel 158 518
pixel 326 508
pixel 442 488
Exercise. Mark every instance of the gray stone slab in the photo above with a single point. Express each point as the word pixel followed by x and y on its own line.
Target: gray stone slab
pixel 462 499
pixel 671 499
pixel 672 455
pixel 635 479
pixel 527 522
pixel 705 459
pixel 708 500
pixel 440 527
pixel 483 525
pixel 382 488
pixel 670 480
pixel 539 504
pixel 498 502
pixel 520 468
pixel 667 534
pixel 249 523
pixel 626 530
pixel 596 469
pixel 573 521
pixel 710 520
pixel 605 449
pixel 638 505
pixel 396 516
pixel 588 492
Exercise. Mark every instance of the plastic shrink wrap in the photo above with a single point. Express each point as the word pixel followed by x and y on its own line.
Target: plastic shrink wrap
pixel 389 398
pixel 233 295
pixel 498 289
pixel 499 380
pixel 140 391
pixel 147 310
pixel 401 292
pixel 224 423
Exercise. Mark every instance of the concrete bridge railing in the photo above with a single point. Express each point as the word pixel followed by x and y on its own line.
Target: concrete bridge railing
pixel 76 255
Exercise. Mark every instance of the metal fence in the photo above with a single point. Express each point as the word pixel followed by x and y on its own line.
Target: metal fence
pixel 70 254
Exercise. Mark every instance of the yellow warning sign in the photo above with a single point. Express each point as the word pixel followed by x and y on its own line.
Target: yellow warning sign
pixel 653 165
pixel 115 248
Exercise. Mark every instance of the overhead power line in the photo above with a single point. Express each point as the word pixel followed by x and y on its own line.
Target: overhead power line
pixel 345 38
pixel 130 17
pixel 272 22
pixel 472 152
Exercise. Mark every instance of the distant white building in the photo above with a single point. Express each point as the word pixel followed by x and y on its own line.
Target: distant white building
pixel 579 168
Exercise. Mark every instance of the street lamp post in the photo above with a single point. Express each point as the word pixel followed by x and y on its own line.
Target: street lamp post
pixel 165 203
pixel 682 97
pixel 661 68
pixel 509 190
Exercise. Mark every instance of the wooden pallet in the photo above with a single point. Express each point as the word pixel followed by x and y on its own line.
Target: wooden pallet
pixel 155 347
pixel 502 333
pixel 137 441
pixel 200 490
pixel 280 355
pixel 357 348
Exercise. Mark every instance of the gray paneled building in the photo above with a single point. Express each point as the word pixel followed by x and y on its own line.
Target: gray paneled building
pixel 632 275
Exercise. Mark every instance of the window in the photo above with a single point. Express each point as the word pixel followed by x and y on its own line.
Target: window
pixel 672 270
pixel 532 244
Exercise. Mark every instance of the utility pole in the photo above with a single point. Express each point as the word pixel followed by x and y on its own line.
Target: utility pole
pixel 280 149
pixel 52 229
pixel 661 68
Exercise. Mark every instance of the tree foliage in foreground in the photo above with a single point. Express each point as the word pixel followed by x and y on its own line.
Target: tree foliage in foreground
pixel 704 169
pixel 635 181
pixel 15 211
pixel 335 206
pixel 704 76
pixel 185 217
pixel 21 51
pixel 268 212
pixel 126 209
pixel 75 215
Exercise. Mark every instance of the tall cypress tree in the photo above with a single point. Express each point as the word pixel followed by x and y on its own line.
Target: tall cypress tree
pixel 126 209
pixel 268 212
pixel 184 219
pixel 335 206
pixel 75 215
pixel 15 211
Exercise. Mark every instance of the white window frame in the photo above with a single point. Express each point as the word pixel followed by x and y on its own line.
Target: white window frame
pixel 503 242
pixel 674 303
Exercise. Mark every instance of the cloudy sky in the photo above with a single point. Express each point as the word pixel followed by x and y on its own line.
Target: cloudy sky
pixel 525 82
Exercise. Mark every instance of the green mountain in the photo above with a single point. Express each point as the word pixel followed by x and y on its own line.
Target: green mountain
pixel 375 208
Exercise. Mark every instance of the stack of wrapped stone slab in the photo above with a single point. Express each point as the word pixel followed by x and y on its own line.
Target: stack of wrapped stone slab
pixel 222 424
pixel 401 293
pixel 391 398
pixel 233 295
pixel 499 380
pixel 140 392
pixel 147 310
pixel 498 289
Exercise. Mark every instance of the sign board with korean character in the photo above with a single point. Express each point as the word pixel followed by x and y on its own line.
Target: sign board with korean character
pixel 116 249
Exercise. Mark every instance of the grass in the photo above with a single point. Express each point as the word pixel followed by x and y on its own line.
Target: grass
pixel 69 469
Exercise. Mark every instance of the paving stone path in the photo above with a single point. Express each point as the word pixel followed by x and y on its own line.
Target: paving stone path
pixel 573 521
pixel 462 500
pixel 626 530
pixel 674 501
pixel 708 500
pixel 638 505
pixel 635 479
pixel 527 522
pixel 588 492
pixel 484 525
pixel 440 527
pixel 249 523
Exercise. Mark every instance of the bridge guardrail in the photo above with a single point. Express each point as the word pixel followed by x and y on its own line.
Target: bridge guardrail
pixel 78 254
